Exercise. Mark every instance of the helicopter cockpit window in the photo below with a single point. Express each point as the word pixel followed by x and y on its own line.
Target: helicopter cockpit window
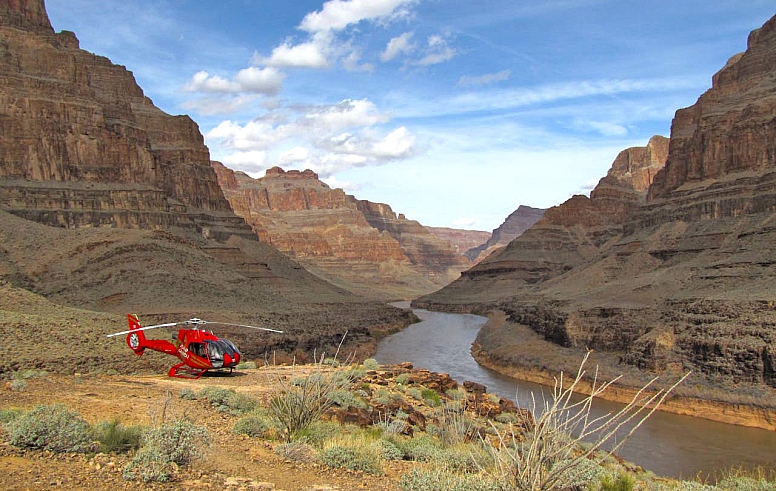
pixel 217 350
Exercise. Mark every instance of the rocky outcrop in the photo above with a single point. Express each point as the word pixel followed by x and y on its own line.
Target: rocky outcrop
pixel 671 276
pixel 82 146
pixel 513 227
pixel 359 245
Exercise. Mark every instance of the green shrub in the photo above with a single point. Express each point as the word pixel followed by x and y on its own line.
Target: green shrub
pixel 357 455
pixel 388 450
pixel 402 378
pixel 115 437
pixel 462 458
pixel 252 425
pixel 296 451
pixel 319 432
pixel 241 403
pixel 18 385
pixel 386 397
pixel 10 414
pixel 347 399
pixel 747 483
pixel 431 397
pixel 218 397
pixel 620 482
pixel 246 365
pixel 435 480
pixel 371 364
pixel 415 393
pixel 177 443
pixel 53 428
pixel 187 394
pixel 421 448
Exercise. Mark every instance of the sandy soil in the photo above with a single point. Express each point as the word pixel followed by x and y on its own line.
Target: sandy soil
pixel 230 462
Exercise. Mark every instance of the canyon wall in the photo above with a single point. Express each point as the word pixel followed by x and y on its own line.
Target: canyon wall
pixel 669 268
pixel 513 227
pixel 82 146
pixel 362 246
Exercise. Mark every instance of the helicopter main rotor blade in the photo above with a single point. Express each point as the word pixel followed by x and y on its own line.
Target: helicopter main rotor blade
pixel 171 324
pixel 242 325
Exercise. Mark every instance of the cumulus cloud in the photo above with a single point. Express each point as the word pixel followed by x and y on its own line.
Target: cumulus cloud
pixel 325 138
pixel 252 80
pixel 310 54
pixel 339 14
pixel 488 78
pixel 397 46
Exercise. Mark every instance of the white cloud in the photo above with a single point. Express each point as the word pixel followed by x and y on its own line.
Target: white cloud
pixel 488 78
pixel 437 51
pixel 211 106
pixel 399 143
pixel 250 161
pixel 397 46
pixel 311 54
pixel 338 14
pixel 605 128
pixel 347 186
pixel 296 154
pixel 252 80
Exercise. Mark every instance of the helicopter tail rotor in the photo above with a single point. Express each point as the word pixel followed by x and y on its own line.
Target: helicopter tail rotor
pixel 136 339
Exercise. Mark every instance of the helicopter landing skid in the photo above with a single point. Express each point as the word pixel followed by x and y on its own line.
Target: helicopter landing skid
pixel 181 370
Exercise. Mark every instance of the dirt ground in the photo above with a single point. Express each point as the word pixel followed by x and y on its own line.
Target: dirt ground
pixel 230 462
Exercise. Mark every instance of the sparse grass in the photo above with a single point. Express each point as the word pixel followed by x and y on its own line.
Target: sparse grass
pixel 298 404
pixel 420 479
pixel 115 437
pixel 352 452
pixel 296 451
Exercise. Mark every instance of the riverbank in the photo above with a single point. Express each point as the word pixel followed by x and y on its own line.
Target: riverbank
pixel 723 412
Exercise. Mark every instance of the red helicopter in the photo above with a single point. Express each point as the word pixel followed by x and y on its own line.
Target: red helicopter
pixel 199 350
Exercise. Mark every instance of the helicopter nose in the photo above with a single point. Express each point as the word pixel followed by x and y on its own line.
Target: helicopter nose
pixel 227 359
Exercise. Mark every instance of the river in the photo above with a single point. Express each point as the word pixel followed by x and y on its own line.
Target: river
pixel 667 444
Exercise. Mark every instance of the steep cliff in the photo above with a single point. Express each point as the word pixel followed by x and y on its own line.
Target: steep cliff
pixel 140 222
pixel 361 246
pixel 678 278
pixel 82 146
pixel 515 224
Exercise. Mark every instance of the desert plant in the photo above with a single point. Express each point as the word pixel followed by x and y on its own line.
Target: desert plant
pixel 402 378
pixel 297 405
pixel 296 451
pixel 252 425
pixel 549 456
pixel 115 437
pixel 218 397
pixel 616 482
pixel 386 397
pixel 187 394
pixel 419 479
pixel 9 414
pixel 431 397
pixel 51 427
pixel 371 364
pixel 388 450
pixel 352 453
pixel 319 432
pixel 454 426
pixel 164 449
pixel 347 399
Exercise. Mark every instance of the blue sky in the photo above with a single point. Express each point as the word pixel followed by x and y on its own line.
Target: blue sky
pixel 454 112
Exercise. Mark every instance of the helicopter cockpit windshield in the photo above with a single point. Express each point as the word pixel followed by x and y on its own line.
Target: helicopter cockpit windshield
pixel 217 349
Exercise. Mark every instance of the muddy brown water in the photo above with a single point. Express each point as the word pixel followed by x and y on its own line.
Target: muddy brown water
pixel 667 444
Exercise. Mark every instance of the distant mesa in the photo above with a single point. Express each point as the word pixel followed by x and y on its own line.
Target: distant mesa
pixel 359 245
pixel 515 224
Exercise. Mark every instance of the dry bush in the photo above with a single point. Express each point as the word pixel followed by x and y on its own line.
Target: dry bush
pixel 550 455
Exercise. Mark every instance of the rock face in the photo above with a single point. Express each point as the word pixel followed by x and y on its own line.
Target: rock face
pixel 359 245
pixel 461 240
pixel 513 227
pixel 140 222
pixel 673 275
pixel 82 146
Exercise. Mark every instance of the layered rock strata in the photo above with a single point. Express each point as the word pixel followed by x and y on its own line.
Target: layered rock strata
pixel 82 146
pixel 362 246
pixel 672 275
